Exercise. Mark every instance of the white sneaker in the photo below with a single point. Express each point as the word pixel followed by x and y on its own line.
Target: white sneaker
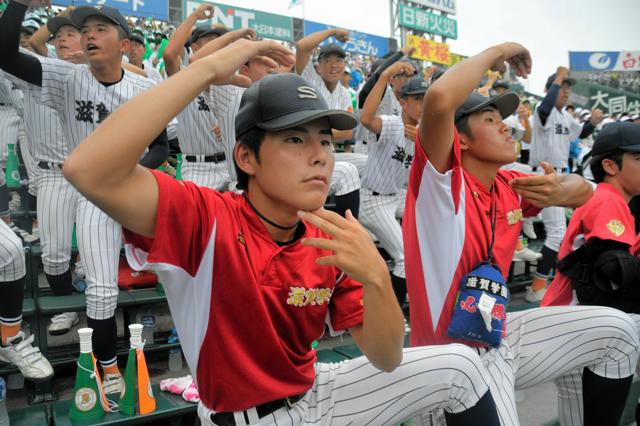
pixel 526 255
pixel 112 383
pixel 15 203
pixel 529 231
pixel 407 327
pixel 35 231
pixel 534 296
pixel 24 235
pixel 20 352
pixel 62 323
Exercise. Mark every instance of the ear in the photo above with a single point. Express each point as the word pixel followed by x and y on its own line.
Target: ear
pixel 464 141
pixel 245 159
pixel 125 46
pixel 403 102
pixel 610 167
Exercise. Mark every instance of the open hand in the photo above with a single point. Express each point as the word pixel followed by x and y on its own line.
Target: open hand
pixel 541 191
pixel 354 253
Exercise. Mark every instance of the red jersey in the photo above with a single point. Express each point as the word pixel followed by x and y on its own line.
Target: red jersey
pixel 246 308
pixel 606 216
pixel 447 230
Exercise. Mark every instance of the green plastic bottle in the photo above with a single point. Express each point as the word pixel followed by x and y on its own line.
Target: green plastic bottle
pixel 128 395
pixel 13 174
pixel 179 166
pixel 86 406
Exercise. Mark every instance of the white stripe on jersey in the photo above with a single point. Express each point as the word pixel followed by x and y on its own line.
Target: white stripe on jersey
pixel 389 161
pixel 551 142
pixel 389 105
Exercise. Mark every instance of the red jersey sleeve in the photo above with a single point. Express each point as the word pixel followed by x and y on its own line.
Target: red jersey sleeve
pixel 346 309
pixel 609 219
pixel 184 222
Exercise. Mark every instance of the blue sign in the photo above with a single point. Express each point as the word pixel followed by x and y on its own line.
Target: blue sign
pixel 361 43
pixel 593 61
pixel 158 9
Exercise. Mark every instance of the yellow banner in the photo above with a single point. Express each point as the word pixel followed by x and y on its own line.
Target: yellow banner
pixel 429 50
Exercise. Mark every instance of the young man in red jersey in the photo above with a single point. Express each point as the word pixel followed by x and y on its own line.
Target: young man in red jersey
pixel 251 279
pixel 462 221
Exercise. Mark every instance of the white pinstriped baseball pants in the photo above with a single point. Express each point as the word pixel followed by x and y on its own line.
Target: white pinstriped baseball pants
pixel 57 209
pixel 555 226
pixel 354 392
pixel 378 215
pixel 99 241
pixel 358 160
pixel 344 179
pixel 210 175
pixel 12 261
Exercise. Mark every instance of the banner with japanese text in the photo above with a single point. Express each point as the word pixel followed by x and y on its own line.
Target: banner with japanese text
pixel 609 100
pixel 267 25
pixel 360 43
pixel 421 20
pixel 626 60
pixel 429 50
pixel 158 9
pixel 447 6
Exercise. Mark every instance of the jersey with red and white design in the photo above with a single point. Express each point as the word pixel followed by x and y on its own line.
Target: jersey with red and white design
pixel 246 308
pixel 606 216
pixel 447 231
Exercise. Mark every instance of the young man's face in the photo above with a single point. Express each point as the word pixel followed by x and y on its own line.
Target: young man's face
pixel 66 40
pixel 100 41
pixel 563 95
pixel 136 52
pixel 24 40
pixel 331 68
pixel 346 78
pixel 295 165
pixel 255 69
pixel 198 44
pixel 492 142
pixel 412 107
pixel 628 177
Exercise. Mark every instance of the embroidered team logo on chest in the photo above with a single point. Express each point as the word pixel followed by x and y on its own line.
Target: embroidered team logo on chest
pixel 301 296
pixel 615 227
pixel 514 216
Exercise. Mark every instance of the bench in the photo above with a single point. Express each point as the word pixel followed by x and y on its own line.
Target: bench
pixel 30 416
pixel 170 409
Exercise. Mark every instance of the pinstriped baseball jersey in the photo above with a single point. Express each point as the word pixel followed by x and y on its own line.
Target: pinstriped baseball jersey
pixel 389 162
pixel 551 141
pixel 9 119
pixel 225 102
pixel 81 101
pixel 43 128
pixel 389 105
pixel 195 128
pixel 338 99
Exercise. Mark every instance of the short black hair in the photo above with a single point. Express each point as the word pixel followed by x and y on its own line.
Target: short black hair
pixel 596 163
pixel 463 126
pixel 252 139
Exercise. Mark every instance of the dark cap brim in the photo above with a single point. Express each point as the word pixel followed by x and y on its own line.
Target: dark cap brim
pixel 339 52
pixel 55 23
pixel 82 13
pixel 339 120
pixel 631 148
pixel 506 103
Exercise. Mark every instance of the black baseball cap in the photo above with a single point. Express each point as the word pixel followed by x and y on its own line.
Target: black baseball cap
pixel 501 83
pixel 111 14
pixel 618 135
pixel 280 101
pixel 506 103
pixel 415 86
pixel 568 80
pixel 54 24
pixel 331 48
pixel 205 30
pixel 136 36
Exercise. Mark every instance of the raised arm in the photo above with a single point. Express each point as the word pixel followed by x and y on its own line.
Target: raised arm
pixel 129 193
pixel 450 91
pixel 549 101
pixel 25 67
pixel 222 41
pixel 304 47
pixel 368 117
pixel 173 52
pixel 371 81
